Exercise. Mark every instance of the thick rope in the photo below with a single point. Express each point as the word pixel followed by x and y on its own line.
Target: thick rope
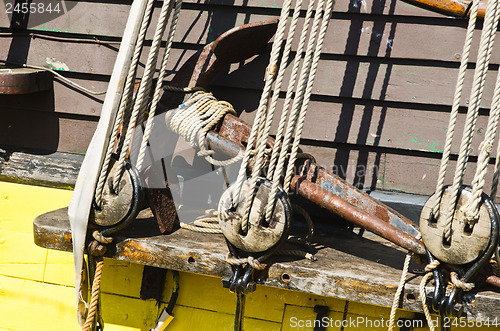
pixel 196 117
pixel 124 102
pixel 158 88
pixel 397 295
pixel 94 299
pixel 250 260
pixel 204 225
pixel 261 110
pixel 300 104
pixel 456 105
pixel 459 283
pixel 486 148
pixel 486 45
pixel 264 130
pixel 423 296
pixel 144 89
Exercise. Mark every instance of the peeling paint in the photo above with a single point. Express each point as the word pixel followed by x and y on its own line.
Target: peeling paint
pixel 431 145
pixel 56 65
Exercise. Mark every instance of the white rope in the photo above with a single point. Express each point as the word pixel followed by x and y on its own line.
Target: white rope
pixel 485 48
pixel 456 105
pixel 264 132
pixel 124 102
pixel 158 88
pixel 472 213
pixel 269 78
pixel 397 295
pixel 294 118
pixel 300 104
pixel 425 308
pixel 198 115
pixel 144 88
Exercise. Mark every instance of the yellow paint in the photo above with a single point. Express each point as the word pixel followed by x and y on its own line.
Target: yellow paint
pixel 36 286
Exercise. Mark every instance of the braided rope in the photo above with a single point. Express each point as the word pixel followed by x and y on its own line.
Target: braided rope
pixel 159 85
pixel 427 313
pixel 269 78
pixel 293 77
pixel 485 151
pixel 124 102
pixel 250 260
pixel 196 117
pixel 300 104
pixel 456 105
pixel 94 297
pixel 144 88
pixel 486 45
pixel 397 295
pixel 459 283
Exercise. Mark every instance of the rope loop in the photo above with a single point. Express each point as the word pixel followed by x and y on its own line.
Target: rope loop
pixel 254 263
pixel 194 118
pixel 432 265
pixel 459 283
pixel 98 236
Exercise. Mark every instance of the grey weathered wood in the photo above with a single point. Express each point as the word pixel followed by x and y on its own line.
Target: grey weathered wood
pixel 363 269
pixel 55 169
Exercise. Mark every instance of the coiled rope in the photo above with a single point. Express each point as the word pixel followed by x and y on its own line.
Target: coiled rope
pixel 198 115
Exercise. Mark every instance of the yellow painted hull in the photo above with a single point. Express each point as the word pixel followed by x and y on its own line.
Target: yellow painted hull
pixel 37 293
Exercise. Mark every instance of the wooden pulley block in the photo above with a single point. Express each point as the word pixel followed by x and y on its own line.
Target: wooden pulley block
pixel 116 205
pixel 468 242
pixel 260 236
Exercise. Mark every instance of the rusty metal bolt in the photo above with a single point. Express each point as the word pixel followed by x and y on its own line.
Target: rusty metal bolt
pixel 251 287
pixel 285 278
pixel 97 249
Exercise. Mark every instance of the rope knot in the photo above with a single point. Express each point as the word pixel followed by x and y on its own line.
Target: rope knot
pixel 432 265
pixel 459 283
pixel 101 238
pixel 486 146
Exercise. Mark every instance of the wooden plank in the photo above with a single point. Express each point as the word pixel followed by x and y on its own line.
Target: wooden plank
pixel 56 169
pixel 371 277
pixel 375 79
pixel 93 58
pixel 99 22
pixel 379 36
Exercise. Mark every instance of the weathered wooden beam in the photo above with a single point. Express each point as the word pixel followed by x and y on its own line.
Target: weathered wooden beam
pixel 37 168
pixel 364 269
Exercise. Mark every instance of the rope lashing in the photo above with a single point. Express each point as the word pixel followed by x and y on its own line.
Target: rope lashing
pixel 254 263
pixel 198 115
pixel 429 268
pixel 299 88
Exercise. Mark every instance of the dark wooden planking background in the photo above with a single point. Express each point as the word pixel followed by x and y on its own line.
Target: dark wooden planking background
pixel 379 112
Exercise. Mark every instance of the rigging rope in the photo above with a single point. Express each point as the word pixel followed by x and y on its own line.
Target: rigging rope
pixel 140 103
pixel 286 145
pixel 485 49
pixel 471 211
